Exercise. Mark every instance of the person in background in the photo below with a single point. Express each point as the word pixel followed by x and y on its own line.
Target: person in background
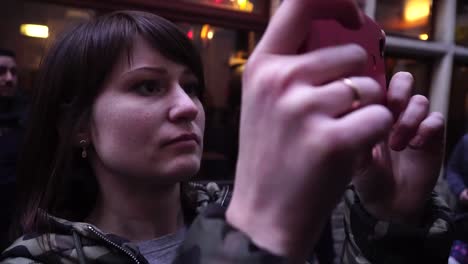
pixel 8 73
pixel 457 174
pixel 457 178
pixel 12 126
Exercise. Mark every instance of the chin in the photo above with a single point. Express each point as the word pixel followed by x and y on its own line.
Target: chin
pixel 183 169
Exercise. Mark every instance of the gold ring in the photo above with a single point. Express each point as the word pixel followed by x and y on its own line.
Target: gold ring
pixel 354 88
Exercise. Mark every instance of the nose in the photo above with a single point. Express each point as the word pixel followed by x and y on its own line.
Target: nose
pixel 184 107
pixel 9 76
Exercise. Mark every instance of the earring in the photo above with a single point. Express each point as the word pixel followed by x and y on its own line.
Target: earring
pixel 84 146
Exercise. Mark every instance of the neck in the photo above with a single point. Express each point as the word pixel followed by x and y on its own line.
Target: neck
pixel 138 213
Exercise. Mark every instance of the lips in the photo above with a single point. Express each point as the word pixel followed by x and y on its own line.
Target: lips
pixel 184 137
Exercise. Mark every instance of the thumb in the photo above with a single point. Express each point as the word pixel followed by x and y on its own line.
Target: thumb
pixel 293 18
pixel 346 12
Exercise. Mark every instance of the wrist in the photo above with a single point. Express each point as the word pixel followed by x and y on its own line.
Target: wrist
pixel 413 218
pixel 263 234
pixel 266 231
pixel 386 211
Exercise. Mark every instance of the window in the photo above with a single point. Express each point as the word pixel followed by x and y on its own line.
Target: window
pixel 30 50
pixel 461 28
pixel 408 18
pixel 250 6
pixel 458 110
pixel 420 69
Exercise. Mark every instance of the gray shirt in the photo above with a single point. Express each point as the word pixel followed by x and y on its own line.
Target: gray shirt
pixel 162 250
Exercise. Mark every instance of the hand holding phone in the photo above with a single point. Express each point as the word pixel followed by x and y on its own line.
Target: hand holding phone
pixel 370 36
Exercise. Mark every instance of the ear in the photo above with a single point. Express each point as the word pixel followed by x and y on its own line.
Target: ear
pixel 74 129
pixel 82 139
pixel 82 134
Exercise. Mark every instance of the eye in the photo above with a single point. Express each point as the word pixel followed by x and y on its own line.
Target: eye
pixel 14 71
pixel 149 87
pixel 192 88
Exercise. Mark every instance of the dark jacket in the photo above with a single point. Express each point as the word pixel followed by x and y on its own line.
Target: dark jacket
pixel 13 111
pixel 212 240
pixel 457 168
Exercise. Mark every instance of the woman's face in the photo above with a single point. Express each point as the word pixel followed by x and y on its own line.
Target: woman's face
pixel 148 121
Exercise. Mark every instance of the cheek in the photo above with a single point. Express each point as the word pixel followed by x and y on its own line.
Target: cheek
pixel 201 119
pixel 122 127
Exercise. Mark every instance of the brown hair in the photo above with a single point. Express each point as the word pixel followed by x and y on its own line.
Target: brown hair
pixel 52 176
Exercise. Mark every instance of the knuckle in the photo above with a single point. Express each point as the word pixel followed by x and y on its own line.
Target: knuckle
pixel 286 75
pixel 250 68
pixel 285 108
pixel 315 60
pixel 405 126
pixel 320 137
pixel 358 54
pixel 263 80
pixel 397 101
pixel 334 140
pixel 297 102
pixel 277 74
pixel 373 88
pixel 357 51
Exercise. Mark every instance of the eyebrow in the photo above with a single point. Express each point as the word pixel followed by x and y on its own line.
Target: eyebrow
pixel 159 70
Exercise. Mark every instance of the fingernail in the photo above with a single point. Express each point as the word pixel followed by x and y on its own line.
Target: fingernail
pixel 417 142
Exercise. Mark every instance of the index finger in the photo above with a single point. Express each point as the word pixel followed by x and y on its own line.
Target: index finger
pixel 289 26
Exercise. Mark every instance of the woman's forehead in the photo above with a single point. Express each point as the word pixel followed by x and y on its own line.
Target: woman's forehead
pixel 141 54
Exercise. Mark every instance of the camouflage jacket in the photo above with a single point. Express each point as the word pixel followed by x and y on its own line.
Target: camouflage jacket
pixel 369 240
pixel 212 240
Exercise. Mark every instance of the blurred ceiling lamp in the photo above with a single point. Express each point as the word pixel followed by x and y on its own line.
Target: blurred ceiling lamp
pixel 424 37
pixel 417 9
pixel 190 34
pixel 245 5
pixel 210 34
pixel 34 31
pixel 242 3
pixel 204 31
pixel 79 14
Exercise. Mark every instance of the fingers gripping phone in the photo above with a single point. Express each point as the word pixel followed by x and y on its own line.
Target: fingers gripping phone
pixel 370 36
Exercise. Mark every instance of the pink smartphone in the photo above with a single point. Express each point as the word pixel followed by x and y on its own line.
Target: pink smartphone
pixel 370 36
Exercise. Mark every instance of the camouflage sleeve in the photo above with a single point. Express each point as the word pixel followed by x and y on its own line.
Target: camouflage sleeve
pixel 212 240
pixel 369 240
pixel 19 261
